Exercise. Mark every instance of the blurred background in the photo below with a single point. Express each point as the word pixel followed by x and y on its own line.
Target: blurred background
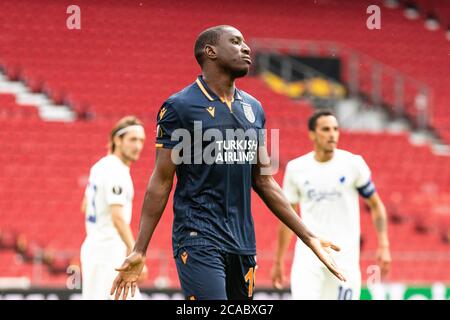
pixel 62 90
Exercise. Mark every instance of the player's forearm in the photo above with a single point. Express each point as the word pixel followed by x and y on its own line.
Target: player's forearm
pixel 155 201
pixel 379 219
pixel 272 195
pixel 380 222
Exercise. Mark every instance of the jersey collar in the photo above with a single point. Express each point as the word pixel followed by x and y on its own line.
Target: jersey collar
pixel 209 94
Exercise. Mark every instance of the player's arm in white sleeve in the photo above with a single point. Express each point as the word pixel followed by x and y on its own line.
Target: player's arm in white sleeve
pixel 284 233
pixel 367 190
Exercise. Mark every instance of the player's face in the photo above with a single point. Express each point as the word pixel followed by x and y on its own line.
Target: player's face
pixel 326 135
pixel 131 145
pixel 233 54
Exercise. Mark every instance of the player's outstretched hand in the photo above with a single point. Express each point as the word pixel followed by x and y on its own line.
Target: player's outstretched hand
pixel 322 250
pixel 129 274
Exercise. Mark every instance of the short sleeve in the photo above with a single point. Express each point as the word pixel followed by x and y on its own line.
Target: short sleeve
pixel 290 188
pixel 115 192
pixel 167 122
pixel 362 172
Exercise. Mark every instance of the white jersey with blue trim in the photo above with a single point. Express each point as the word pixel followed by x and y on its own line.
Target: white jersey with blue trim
pixel 328 196
pixel 109 184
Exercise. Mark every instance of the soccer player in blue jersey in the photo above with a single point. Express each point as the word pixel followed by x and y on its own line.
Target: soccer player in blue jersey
pixel 213 233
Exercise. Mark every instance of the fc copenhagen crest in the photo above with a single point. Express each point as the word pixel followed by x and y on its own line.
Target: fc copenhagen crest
pixel 248 112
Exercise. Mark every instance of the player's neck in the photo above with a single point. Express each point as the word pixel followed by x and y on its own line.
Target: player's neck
pixel 221 84
pixel 323 155
pixel 124 160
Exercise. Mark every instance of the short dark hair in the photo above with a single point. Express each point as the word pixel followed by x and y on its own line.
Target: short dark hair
pixel 312 122
pixel 209 36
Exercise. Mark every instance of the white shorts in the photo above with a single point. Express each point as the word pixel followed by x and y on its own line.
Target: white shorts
pixel 98 263
pixel 311 280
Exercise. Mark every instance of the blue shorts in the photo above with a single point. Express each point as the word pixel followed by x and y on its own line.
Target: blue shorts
pixel 209 273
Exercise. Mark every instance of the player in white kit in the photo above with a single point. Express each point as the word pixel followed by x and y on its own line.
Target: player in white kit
pixel 326 183
pixel 107 205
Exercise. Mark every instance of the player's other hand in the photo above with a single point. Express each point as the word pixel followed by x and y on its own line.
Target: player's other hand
pixel 322 250
pixel 383 257
pixel 277 275
pixel 128 276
